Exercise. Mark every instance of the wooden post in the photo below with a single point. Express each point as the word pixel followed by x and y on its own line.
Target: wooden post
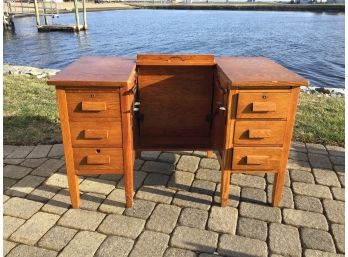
pixel 37 13
pixel 77 18
pixel 44 12
pixel 84 15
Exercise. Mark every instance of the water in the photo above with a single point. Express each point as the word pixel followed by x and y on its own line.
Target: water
pixel 311 44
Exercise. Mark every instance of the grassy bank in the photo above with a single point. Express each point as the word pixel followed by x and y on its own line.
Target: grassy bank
pixel 30 115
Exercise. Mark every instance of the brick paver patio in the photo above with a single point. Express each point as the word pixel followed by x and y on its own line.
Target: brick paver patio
pixel 176 210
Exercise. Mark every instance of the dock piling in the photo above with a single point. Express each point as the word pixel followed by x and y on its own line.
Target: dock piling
pixel 84 15
pixel 77 18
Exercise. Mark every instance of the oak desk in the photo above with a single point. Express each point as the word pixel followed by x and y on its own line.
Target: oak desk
pixel 243 108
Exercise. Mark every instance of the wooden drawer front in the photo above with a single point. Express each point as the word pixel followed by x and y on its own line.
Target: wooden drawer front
pixel 98 159
pixel 92 133
pixel 263 105
pixel 259 132
pixel 93 104
pixel 256 158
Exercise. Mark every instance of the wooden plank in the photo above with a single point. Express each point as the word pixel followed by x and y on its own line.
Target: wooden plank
pixel 175 101
pixel 258 71
pixel 95 71
pixel 175 60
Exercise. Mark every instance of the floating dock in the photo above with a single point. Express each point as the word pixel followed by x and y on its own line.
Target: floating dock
pixel 58 27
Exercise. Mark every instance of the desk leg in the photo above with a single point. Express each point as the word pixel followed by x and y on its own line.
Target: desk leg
pixel 68 152
pixel 73 182
pixel 126 96
pixel 279 179
pixel 225 187
pixel 210 154
pixel 128 185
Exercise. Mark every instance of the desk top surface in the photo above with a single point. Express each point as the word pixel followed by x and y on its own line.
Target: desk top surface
pixel 258 71
pixel 116 71
pixel 95 71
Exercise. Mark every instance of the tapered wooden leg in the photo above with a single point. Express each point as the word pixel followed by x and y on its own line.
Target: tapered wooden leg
pixel 225 187
pixel 73 183
pixel 128 185
pixel 279 179
pixel 209 154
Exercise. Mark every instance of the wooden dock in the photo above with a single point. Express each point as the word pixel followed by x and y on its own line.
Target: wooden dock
pixel 58 27
pixel 43 10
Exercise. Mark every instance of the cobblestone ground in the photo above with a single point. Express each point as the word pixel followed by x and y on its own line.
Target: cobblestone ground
pixel 176 210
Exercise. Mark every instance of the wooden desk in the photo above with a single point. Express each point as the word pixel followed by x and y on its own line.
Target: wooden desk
pixel 243 108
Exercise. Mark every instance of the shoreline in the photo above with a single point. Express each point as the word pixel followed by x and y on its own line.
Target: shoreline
pixel 67 7
pixel 43 73
pixel 332 8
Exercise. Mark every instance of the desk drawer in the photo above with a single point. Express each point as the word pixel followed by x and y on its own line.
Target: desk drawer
pixel 256 158
pixel 98 159
pixel 93 104
pixel 260 105
pixel 92 133
pixel 259 132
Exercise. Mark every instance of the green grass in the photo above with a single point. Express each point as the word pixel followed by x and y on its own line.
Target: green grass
pixel 30 112
pixel 320 120
pixel 31 116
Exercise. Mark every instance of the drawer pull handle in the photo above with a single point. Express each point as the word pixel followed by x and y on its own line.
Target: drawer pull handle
pixel 264 107
pixel 96 134
pixel 256 159
pixel 93 106
pixel 259 133
pixel 98 159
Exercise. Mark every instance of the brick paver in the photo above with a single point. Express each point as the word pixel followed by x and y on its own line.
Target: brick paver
pixel 284 240
pixel 317 240
pixel 252 228
pixel 84 244
pixel 194 218
pixel 34 228
pixel 232 245
pixel 306 219
pixel 119 225
pixel 163 218
pixel 57 238
pixel 261 212
pixel 141 209
pixel 194 239
pixel 16 172
pixel 150 244
pixel 223 220
pixel 81 219
pixel 334 211
pixel 176 209
pixel 338 236
pixel 115 246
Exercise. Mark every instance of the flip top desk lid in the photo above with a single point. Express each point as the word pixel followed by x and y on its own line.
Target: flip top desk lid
pixel 257 71
pixel 96 71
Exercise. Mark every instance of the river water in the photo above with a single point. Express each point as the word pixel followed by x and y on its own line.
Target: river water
pixel 311 44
